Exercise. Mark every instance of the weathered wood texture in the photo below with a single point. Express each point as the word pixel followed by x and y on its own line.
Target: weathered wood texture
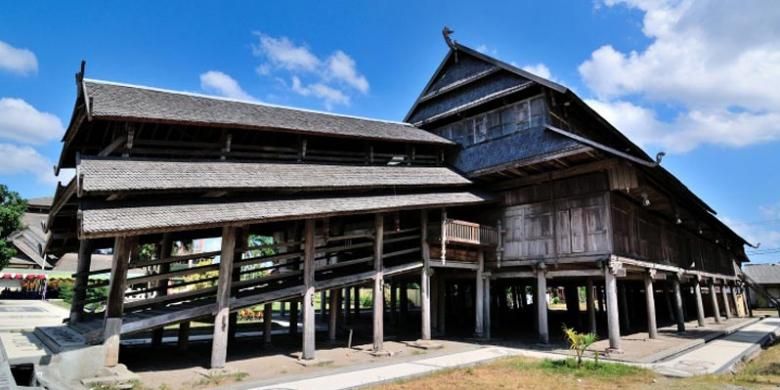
pixel 571 221
pixel 220 338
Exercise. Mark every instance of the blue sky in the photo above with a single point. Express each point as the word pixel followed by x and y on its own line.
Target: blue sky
pixel 694 78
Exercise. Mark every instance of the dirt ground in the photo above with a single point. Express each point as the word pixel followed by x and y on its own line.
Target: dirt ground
pixel 249 360
pixel 763 372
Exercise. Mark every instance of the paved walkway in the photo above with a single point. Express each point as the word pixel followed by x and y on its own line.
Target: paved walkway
pixel 716 356
pixel 722 354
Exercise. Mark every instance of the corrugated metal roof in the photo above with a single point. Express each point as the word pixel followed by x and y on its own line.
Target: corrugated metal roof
pixel 763 273
pixel 105 222
pixel 113 100
pixel 110 175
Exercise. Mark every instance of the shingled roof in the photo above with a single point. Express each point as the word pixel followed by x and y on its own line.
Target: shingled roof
pixel 763 273
pixel 111 175
pixel 108 222
pixel 110 100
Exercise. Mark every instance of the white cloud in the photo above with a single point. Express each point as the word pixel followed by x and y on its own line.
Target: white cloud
pixel 330 79
pixel 330 96
pixel 222 84
pixel 20 121
pixel 24 160
pixel 718 61
pixel 540 70
pixel 19 61
pixel 282 52
pixel 342 67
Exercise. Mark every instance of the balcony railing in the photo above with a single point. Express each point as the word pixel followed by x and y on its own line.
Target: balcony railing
pixel 463 232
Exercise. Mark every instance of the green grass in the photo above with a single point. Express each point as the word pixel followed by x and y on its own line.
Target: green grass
pixel 589 368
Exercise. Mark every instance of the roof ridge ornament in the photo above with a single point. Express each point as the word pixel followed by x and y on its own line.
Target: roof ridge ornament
pixel 452 44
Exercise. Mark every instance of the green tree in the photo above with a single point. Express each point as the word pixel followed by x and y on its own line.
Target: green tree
pixel 12 207
pixel 579 342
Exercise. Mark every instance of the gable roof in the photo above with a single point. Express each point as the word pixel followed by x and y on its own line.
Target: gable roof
pixel 110 100
pixel 491 65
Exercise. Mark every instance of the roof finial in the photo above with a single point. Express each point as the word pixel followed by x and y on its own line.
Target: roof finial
pixel 446 32
pixel 80 74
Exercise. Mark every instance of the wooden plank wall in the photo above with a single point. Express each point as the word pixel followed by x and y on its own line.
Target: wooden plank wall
pixel 558 219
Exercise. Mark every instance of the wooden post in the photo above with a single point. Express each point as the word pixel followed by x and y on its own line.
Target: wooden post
pixel 714 300
pixel 425 280
pixel 746 297
pixel 394 302
pixel 308 295
pixel 486 306
pixel 124 249
pixel 590 295
pixel 444 236
pixel 163 251
pixel 613 321
pixel 626 321
pixel 678 304
pixel 479 307
pixel 221 320
pixel 356 298
pixel 183 340
pixel 725 296
pixel 347 305
pixel 293 318
pixel 268 322
pixel 541 304
pixel 733 299
pixel 404 300
pixel 81 282
pixel 652 326
pixel 378 299
pixel 699 302
pixel 333 313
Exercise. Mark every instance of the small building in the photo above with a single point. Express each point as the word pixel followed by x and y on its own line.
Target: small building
pixel 767 276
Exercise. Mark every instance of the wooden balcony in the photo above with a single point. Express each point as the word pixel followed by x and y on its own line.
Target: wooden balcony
pixel 463 240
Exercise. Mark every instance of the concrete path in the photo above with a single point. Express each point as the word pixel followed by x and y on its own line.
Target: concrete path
pixel 716 356
pixel 722 354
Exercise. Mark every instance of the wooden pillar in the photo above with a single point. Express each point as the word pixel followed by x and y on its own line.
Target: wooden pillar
pixel 626 321
pixel 652 326
pixel 425 280
pixel 81 282
pixel 486 305
pixel 348 305
pixel 163 251
pixel 124 249
pixel 268 322
pixel 678 304
pixel 714 300
pixel 242 238
pixel 746 298
pixel 394 302
pixel 699 302
pixel 613 321
pixel 356 298
pixel 333 313
pixel 308 292
pixel 479 307
pixel 725 296
pixel 590 295
pixel 733 299
pixel 404 300
pixel 221 326
pixel 378 299
pixel 434 303
pixel 183 336
pixel 541 303
pixel 293 318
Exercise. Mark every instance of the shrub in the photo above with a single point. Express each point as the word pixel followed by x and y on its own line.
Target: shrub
pixel 579 342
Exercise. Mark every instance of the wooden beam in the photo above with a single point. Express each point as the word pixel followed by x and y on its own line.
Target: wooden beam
pixel 221 320
pixel 596 166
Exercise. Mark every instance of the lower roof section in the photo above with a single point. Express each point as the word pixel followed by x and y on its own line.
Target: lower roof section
pixel 109 222
pixel 114 175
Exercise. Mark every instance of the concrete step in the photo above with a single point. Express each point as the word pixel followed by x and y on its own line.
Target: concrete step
pixel 59 338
